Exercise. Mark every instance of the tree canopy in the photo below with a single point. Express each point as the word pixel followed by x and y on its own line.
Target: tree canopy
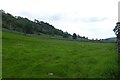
pixel 74 36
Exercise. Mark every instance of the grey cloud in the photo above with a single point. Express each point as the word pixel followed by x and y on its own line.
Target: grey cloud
pixel 94 19
pixel 62 17
pixel 25 14
pixel 55 17
pixel 42 16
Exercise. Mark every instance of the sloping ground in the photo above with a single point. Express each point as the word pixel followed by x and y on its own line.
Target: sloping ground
pixel 32 57
pixel 46 36
pixel 112 39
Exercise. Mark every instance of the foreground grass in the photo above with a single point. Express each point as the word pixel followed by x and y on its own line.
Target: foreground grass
pixel 31 57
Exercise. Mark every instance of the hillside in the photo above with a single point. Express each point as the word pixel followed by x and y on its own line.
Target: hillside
pixel 112 39
pixel 33 57
pixel 36 27
pixel 27 26
pixel 43 29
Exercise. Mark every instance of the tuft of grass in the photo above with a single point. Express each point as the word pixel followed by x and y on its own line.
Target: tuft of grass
pixel 31 57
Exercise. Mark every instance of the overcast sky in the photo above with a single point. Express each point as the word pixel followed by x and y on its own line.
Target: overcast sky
pixel 90 18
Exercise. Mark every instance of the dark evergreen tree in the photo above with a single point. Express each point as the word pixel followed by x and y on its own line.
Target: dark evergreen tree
pixel 74 36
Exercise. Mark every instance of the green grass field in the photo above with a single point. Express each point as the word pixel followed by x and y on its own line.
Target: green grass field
pixel 32 57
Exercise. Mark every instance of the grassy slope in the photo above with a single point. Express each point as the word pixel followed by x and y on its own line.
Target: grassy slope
pixel 27 57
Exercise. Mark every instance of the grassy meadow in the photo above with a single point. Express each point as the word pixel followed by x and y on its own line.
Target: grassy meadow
pixel 32 57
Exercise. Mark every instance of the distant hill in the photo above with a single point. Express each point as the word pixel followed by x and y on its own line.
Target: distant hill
pixel 112 39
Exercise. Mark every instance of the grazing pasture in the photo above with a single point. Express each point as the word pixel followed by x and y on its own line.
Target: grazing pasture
pixel 32 57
